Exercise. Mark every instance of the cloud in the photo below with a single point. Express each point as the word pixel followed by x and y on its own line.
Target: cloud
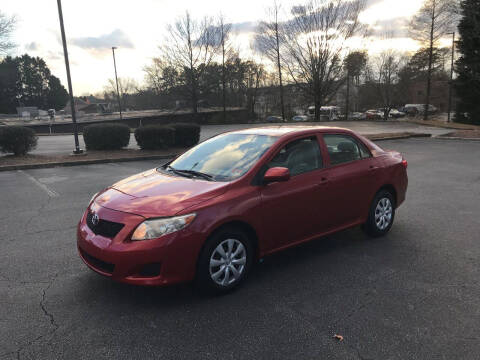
pixel 31 46
pixel 244 27
pixel 104 42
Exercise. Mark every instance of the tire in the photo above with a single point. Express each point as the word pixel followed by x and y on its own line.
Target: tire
pixel 220 272
pixel 381 214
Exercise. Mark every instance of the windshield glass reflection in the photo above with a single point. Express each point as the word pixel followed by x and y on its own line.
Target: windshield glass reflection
pixel 225 157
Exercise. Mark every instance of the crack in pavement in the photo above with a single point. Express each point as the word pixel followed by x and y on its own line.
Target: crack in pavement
pixel 51 318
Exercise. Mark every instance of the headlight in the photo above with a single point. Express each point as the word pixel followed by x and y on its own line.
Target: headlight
pixel 152 229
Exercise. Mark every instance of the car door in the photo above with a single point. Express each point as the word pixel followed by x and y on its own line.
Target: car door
pixel 351 174
pixel 291 210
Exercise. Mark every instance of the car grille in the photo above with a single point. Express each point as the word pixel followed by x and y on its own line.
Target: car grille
pixel 104 228
pixel 97 263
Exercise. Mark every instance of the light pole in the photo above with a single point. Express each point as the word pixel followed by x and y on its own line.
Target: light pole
pixel 451 78
pixel 116 80
pixel 69 80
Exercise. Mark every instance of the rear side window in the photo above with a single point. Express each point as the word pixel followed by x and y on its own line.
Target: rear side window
pixel 343 149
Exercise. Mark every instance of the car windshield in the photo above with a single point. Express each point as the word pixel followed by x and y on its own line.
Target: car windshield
pixel 224 157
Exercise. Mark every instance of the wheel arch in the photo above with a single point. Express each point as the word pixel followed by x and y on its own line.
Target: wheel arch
pixel 391 189
pixel 239 224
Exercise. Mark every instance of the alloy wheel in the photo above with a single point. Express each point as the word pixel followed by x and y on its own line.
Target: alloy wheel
pixel 383 213
pixel 227 262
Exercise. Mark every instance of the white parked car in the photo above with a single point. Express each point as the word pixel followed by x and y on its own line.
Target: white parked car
pixel 394 113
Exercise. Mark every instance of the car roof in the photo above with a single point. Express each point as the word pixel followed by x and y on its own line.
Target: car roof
pixel 283 130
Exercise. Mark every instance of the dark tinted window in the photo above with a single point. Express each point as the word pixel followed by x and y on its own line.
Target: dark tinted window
pixel 344 148
pixel 299 156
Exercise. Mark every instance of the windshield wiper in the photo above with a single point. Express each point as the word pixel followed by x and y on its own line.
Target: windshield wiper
pixel 191 172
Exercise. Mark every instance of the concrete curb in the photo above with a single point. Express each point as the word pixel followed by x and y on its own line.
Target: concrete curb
pixel 83 162
pixel 160 157
pixel 398 137
pixel 456 138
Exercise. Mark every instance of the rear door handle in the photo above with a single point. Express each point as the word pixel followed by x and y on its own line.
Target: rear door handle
pixel 372 168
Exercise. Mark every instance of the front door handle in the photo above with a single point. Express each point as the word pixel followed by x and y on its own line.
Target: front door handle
pixel 323 181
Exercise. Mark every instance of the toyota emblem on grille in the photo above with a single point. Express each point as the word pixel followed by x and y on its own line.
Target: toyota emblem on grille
pixel 95 219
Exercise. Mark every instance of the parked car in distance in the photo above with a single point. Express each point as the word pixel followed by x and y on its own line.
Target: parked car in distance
pixel 273 119
pixel 357 116
pixel 394 113
pixel 374 114
pixel 300 118
pixel 212 212
pixel 415 109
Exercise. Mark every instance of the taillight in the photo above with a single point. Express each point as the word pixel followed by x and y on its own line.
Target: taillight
pixel 404 163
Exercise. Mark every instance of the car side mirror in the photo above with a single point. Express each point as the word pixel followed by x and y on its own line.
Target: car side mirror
pixel 276 174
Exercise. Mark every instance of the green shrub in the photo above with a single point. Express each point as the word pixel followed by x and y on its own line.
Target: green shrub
pixel 17 139
pixel 186 134
pixel 106 136
pixel 153 137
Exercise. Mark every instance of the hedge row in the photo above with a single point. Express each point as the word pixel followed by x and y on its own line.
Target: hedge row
pixel 150 137
pixel 17 139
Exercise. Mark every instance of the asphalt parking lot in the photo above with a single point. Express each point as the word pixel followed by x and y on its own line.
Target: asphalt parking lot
pixel 411 295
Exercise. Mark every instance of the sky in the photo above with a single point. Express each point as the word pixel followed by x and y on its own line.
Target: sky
pixel 138 28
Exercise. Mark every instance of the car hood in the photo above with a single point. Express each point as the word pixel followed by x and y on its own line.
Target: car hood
pixel 153 194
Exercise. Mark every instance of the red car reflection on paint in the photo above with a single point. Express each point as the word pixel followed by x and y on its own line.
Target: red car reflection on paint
pixel 237 197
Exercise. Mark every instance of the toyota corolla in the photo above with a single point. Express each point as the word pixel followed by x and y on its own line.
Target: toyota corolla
pixel 212 212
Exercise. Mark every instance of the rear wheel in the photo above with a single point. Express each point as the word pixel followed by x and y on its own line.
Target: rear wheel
pixel 381 214
pixel 225 261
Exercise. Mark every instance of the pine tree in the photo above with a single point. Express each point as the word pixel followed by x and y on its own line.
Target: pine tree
pixel 467 84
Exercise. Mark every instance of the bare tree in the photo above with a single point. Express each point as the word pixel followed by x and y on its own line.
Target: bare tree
pixel 269 41
pixel 160 77
pixel 224 32
pixel 190 47
pixel 433 21
pixel 126 87
pixel 354 64
pixel 7 26
pixel 386 68
pixel 316 41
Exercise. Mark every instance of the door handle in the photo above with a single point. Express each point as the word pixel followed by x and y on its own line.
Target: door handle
pixel 323 181
pixel 372 168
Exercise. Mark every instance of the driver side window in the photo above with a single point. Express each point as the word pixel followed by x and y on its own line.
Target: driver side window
pixel 299 156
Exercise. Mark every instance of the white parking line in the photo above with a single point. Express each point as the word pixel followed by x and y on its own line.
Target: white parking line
pixel 44 187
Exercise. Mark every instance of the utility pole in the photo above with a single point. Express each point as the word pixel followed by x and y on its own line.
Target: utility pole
pixel 451 78
pixel 77 149
pixel 116 80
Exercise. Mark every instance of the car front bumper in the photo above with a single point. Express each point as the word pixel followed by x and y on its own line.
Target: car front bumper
pixel 168 260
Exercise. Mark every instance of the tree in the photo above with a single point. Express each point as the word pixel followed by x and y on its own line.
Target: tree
pixel 386 67
pixel 224 30
pixel 126 87
pixel 161 77
pixel 190 46
pixel 10 85
pixel 467 84
pixel 269 41
pixel 7 26
pixel 315 41
pixel 27 81
pixel 354 64
pixel 432 22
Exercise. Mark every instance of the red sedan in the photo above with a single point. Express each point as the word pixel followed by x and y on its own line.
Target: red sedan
pixel 235 198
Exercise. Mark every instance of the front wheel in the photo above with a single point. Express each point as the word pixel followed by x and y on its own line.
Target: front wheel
pixel 225 261
pixel 381 214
